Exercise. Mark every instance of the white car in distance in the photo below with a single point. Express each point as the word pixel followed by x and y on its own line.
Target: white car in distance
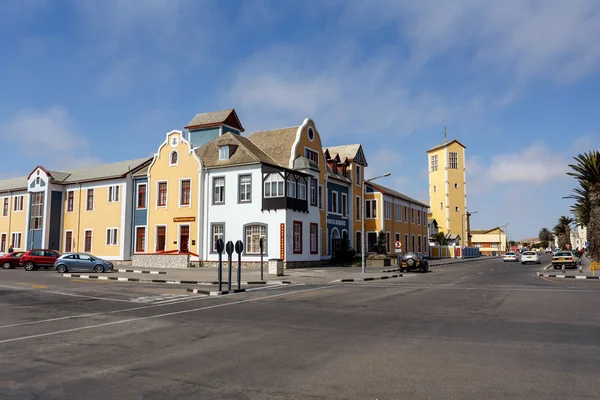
pixel 510 256
pixel 530 256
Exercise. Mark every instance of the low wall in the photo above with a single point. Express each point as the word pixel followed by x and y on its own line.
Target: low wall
pixel 160 260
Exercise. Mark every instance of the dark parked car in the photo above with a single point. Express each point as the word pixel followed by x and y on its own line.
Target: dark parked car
pixel 81 262
pixel 11 260
pixel 38 258
pixel 414 261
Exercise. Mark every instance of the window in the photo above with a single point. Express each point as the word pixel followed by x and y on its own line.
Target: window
pixel 334 202
pixel 405 244
pixel 161 238
pixel 223 153
pixel 90 200
pixel 387 210
pixel 5 207
pixel 218 232
pixel 297 237
pixel 18 203
pixel 357 175
pixel 311 155
pixel 219 190
pixel 274 186
pixel 291 188
pixel 413 243
pixel 418 217
pixel 184 196
pixel 434 163
pixel 321 197
pixel 371 209
pixel 398 213
pixel 70 200
pixel 87 243
pixel 419 244
pixel 388 237
pixel 253 234
pixel 313 192
pixel 456 186
pixel 68 241
pixel 161 199
pixel 344 205
pixel 141 196
pixel 174 158
pixel 301 190
pixel 441 205
pixel 311 134
pixel 37 210
pixel 456 209
pixel 453 160
pixel 412 216
pixel 111 237
pixel 113 194
pixel 405 214
pixel 358 208
pixel 37 181
pixel 245 188
pixel 140 239
pixel 397 237
pixel 3 243
pixel 358 242
pixel 434 189
pixel 16 240
pixel 314 238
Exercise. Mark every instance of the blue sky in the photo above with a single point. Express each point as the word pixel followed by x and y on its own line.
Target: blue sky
pixel 517 82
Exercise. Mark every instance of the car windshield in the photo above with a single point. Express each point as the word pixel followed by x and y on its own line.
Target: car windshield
pixel 563 254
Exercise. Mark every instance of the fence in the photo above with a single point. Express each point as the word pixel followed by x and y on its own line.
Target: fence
pixel 453 252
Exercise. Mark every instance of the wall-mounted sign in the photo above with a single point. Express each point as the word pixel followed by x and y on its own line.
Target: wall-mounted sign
pixel 282 241
pixel 337 222
pixel 184 219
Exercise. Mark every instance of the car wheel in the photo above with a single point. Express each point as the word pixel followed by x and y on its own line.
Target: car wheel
pixel 6 265
pixel 99 269
pixel 410 263
pixel 29 266
pixel 61 269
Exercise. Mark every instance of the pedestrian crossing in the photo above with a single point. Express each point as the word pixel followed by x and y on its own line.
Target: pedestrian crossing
pixel 161 299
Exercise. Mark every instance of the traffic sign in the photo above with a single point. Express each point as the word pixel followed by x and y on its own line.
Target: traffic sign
pixel 568 246
pixel 587 244
pixel 398 244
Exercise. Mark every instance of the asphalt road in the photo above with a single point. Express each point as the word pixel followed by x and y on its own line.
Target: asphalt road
pixel 480 330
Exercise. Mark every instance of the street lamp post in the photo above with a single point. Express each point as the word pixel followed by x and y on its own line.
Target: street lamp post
pixel 362 231
pixel 462 221
pixel 500 239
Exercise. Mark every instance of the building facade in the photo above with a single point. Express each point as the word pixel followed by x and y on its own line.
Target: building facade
pixel 490 242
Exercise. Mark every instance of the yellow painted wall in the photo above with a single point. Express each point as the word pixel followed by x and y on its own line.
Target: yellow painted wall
pixel 356 190
pixel 160 170
pixel 15 221
pixel 437 180
pixel 456 195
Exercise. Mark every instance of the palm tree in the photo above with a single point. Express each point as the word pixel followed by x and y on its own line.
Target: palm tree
pixel 587 171
pixel 440 239
pixel 545 237
pixel 581 208
pixel 563 231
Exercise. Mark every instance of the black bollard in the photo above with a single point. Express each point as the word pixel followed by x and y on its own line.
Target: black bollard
pixel 220 247
pixel 261 259
pixel 239 247
pixel 229 250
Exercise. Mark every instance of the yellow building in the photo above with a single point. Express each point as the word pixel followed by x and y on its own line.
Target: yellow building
pixel 490 242
pixel 448 187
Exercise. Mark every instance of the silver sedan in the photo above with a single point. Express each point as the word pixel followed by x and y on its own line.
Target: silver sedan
pixel 81 262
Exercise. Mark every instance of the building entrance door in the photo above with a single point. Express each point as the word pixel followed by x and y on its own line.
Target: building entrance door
pixel 184 238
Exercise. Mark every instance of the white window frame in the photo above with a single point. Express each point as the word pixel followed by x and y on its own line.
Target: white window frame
pixel 314 249
pixel 358 204
pixel 314 192
pixel 112 235
pixel 301 190
pixel 334 202
pixel 5 207
pixel 273 180
pixel 321 198
pixel 453 160
pixel 156 236
pixel 65 241
pixel 223 153
pixel 419 217
pixel 434 163
pixel 158 194
pixel 246 236
pixel 180 197
pixel 387 209
pixel 91 240
pixel 242 185
pixel 33 217
pixel 114 194
pixel 406 214
pixel 171 163
pixel 222 191
pixel 290 186
pixel 67 207
pixel 18 203
pixel 213 240
pixel 135 239
pixel 344 205
pixel 457 209
pixel 137 196
pixel 297 235
pixel 369 208
pixel 14 242
pixel 398 212
pixel 87 195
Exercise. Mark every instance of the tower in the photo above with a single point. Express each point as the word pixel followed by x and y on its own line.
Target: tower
pixel 448 187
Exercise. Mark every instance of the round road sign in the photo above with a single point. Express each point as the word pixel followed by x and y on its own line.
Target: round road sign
pixel 398 244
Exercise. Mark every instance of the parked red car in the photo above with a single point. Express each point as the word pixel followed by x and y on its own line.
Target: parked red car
pixel 11 260
pixel 39 258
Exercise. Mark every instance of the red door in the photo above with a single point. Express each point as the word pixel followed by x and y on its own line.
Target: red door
pixel 184 238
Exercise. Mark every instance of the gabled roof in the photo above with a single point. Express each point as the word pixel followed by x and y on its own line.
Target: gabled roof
pixel 216 118
pixel 484 231
pixel 352 152
pixel 334 175
pixel 394 193
pixel 242 151
pixel 445 144
pixel 277 143
pixel 13 184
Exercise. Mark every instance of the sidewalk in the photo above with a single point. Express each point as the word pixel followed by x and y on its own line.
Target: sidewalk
pixel 251 276
pixel 586 272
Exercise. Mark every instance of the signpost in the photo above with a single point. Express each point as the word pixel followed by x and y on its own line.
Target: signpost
pixel 239 247
pixel 220 247
pixel 229 251
pixel 398 246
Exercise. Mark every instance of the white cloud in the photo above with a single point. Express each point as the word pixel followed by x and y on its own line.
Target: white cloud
pixel 584 143
pixel 536 164
pixel 49 138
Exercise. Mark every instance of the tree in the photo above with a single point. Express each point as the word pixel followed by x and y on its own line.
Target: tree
pixel 562 230
pixel 545 237
pixel 587 207
pixel 380 246
pixel 512 243
pixel 440 239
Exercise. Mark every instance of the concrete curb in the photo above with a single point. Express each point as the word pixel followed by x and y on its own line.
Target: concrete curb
pixel 136 271
pixel 460 262
pixel 567 276
pixel 374 278
pixel 215 292
pixel 168 281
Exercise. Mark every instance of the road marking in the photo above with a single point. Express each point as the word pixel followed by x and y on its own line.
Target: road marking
pixel 492 269
pixel 161 315
pixel 465 277
pixel 33 285
pixel 479 273
pixel 68 294
pixel 89 281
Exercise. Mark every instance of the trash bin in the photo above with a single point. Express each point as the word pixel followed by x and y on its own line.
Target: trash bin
pixel 276 267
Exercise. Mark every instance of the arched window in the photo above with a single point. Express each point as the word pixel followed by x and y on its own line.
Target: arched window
pixel 174 158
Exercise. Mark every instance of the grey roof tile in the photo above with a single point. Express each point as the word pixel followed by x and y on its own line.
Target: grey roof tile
pixel 277 143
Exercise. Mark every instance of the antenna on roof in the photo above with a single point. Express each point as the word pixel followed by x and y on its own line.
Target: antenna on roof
pixel 445 133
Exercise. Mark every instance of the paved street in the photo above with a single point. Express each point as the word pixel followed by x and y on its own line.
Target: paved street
pixel 478 330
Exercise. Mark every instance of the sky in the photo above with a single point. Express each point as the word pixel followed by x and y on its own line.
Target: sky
pixel 517 82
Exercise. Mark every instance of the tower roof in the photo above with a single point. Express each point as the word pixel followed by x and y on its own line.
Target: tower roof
pixel 445 144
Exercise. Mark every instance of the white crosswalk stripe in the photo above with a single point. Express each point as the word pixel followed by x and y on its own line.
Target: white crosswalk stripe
pixel 161 299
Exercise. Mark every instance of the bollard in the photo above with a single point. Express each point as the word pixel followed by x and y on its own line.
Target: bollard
pixel 239 247
pixel 220 246
pixel 260 242
pixel 229 250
